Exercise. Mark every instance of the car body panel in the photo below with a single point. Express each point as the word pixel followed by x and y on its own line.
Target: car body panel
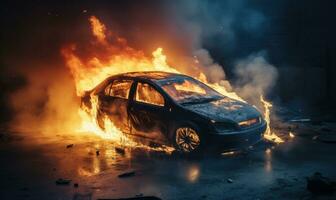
pixel 116 109
pixel 238 139
pixel 225 109
pixel 147 120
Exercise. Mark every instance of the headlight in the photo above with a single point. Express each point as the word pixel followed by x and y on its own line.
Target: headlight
pixel 249 122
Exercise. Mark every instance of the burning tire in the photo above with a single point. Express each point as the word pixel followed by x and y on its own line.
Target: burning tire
pixel 187 140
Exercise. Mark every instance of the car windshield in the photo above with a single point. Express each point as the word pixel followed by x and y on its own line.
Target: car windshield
pixel 186 90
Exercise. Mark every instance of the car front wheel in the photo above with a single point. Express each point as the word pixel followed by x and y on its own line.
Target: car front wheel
pixel 187 140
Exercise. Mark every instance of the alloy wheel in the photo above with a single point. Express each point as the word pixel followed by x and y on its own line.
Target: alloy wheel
pixel 187 139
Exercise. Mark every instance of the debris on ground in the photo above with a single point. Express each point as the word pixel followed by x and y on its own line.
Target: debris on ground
pixel 229 180
pixel 69 146
pixel 136 198
pixel 120 150
pixel 300 120
pixel 228 153
pixel 61 181
pixel 127 174
pixel 318 184
pixel 291 135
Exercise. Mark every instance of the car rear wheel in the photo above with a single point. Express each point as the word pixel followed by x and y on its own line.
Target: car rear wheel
pixel 187 139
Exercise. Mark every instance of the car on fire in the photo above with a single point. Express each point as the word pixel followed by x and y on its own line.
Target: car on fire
pixel 176 109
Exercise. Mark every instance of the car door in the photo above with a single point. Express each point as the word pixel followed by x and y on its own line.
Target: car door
pixel 114 103
pixel 147 112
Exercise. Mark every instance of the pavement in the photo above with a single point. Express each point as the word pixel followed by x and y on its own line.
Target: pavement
pixel 92 168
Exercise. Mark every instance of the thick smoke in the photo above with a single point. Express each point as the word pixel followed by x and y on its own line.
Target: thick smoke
pixel 213 70
pixel 47 103
pixel 225 20
pixel 221 25
pixel 255 76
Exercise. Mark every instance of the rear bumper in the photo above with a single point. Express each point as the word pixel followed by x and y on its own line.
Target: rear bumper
pixel 238 139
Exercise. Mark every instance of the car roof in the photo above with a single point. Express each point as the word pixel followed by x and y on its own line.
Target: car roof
pixel 149 75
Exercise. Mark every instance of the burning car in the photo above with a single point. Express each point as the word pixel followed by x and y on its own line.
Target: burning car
pixel 175 109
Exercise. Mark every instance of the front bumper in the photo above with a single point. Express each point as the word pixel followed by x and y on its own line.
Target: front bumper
pixel 237 140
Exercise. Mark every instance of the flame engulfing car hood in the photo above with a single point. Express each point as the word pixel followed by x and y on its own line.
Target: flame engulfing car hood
pixel 226 109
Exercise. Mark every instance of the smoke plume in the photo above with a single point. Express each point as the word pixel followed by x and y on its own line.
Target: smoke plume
pixel 255 76
pixel 221 25
pixel 47 103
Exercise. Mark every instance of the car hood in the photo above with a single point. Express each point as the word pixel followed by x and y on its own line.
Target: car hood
pixel 224 110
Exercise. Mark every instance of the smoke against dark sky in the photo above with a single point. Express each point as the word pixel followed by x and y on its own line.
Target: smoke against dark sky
pixel 226 20
pixel 223 23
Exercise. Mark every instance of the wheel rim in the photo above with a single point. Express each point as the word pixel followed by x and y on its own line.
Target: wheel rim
pixel 187 139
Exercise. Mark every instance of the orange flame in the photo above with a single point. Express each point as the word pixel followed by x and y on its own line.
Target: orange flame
pixel 269 135
pixel 187 86
pixel 118 58
pixel 98 29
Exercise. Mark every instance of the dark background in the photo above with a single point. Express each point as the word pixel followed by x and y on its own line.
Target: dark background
pixel 298 36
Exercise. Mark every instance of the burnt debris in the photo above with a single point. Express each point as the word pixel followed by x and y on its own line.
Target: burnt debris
pixel 62 181
pixel 127 174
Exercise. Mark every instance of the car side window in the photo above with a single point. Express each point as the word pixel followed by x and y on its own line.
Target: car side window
pixel 107 90
pixel 147 94
pixel 119 88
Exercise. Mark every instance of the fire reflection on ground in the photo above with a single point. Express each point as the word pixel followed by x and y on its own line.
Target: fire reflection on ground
pixel 92 156
pixel 193 173
pixel 268 160
pixel 95 164
pixel 105 155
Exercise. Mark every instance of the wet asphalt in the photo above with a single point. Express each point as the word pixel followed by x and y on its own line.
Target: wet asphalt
pixel 31 163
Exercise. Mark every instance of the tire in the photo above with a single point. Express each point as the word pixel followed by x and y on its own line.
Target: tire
pixel 187 139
